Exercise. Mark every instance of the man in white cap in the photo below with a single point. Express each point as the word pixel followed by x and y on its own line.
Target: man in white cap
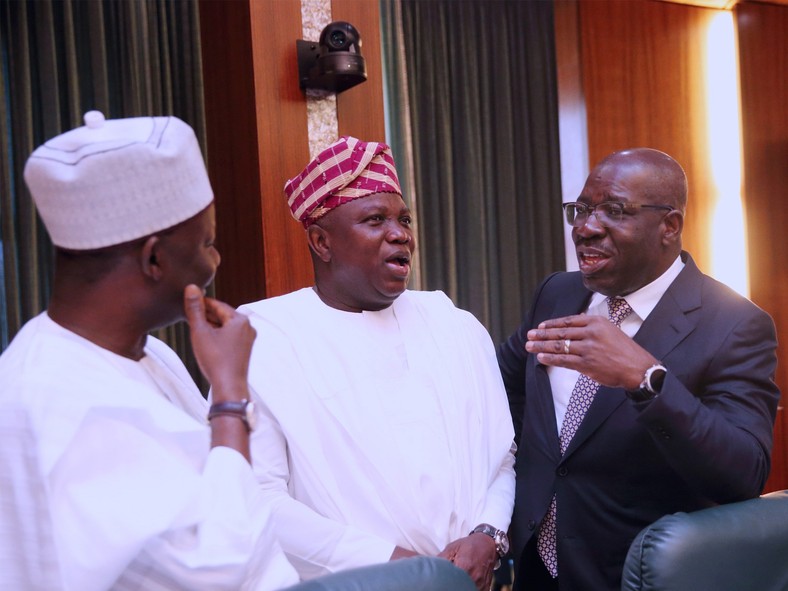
pixel 386 431
pixel 105 482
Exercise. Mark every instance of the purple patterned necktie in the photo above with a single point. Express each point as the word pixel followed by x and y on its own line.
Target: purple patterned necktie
pixel 579 402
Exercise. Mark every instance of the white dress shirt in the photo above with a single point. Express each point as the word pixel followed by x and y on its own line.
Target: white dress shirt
pixel 642 302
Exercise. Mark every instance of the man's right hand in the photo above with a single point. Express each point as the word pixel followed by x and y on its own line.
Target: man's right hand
pixel 222 340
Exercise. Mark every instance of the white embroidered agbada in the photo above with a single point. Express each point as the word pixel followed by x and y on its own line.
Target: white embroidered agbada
pixel 106 484
pixel 379 428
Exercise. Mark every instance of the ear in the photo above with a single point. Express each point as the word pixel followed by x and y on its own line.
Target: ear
pixel 319 241
pixel 149 258
pixel 674 224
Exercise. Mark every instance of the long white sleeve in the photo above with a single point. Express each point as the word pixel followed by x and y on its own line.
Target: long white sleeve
pixel 113 487
pixel 315 545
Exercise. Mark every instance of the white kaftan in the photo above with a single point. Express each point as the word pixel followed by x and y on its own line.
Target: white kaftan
pixel 106 484
pixel 379 428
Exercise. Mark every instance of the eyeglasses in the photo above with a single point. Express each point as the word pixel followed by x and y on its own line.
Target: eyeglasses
pixel 609 213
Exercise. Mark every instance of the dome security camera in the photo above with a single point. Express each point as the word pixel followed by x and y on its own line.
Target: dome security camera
pixel 340 36
pixel 335 63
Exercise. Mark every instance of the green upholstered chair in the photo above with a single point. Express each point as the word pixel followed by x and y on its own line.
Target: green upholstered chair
pixel 408 574
pixel 737 547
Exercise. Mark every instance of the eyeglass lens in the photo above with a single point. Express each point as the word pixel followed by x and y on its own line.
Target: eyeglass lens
pixel 606 213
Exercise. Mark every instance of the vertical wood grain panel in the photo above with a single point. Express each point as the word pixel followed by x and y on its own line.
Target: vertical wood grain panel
pixel 284 142
pixel 778 479
pixel 763 62
pixel 360 109
pixel 232 148
pixel 257 138
pixel 644 85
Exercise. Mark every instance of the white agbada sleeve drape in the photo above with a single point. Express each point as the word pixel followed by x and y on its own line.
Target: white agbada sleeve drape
pixel 379 429
pixel 113 487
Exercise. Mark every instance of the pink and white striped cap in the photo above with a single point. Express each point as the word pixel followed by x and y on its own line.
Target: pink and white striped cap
pixel 346 170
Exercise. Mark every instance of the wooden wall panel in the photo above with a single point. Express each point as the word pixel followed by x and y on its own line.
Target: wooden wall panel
pixel 360 109
pixel 643 83
pixel 763 62
pixel 257 134
pixel 284 142
pixel 232 148
pixel 257 138
pixel 778 479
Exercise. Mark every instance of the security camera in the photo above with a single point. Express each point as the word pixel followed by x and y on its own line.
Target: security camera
pixel 335 62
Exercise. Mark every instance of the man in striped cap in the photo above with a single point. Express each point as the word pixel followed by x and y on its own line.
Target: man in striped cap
pixel 385 428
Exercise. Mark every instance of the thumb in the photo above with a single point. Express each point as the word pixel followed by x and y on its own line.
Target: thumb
pixel 194 306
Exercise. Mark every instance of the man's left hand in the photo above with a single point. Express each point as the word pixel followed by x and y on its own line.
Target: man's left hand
pixel 476 555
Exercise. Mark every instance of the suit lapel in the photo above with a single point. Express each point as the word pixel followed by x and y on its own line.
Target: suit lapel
pixel 543 407
pixel 571 301
pixel 671 321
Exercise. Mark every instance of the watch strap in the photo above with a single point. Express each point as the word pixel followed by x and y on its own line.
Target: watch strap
pixel 499 537
pixel 240 409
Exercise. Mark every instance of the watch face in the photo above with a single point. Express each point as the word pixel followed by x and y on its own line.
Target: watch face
pixel 502 542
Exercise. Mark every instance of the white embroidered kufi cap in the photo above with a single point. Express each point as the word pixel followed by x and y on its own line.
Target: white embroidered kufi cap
pixel 112 181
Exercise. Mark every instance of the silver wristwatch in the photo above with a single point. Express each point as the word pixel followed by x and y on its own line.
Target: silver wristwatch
pixel 651 385
pixel 499 537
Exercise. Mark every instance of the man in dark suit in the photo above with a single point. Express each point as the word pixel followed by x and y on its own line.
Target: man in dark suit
pixel 638 386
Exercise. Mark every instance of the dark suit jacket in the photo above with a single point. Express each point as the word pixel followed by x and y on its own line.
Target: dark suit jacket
pixel 706 439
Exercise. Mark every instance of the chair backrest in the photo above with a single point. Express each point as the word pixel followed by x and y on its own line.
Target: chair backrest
pixel 736 547
pixel 423 573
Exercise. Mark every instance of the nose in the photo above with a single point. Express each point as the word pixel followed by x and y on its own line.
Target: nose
pixel 217 257
pixel 398 233
pixel 589 228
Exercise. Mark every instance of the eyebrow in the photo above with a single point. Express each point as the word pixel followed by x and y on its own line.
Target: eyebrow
pixel 369 209
pixel 607 197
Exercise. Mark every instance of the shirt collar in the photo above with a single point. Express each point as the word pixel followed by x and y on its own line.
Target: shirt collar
pixel 645 299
